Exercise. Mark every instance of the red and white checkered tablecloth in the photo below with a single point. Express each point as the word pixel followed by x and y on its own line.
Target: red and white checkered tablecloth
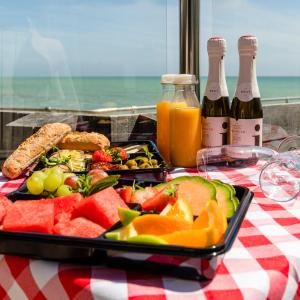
pixel 264 262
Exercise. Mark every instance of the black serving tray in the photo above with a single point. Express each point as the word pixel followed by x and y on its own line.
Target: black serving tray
pixel 243 194
pixel 155 174
pixel 22 192
pixel 190 263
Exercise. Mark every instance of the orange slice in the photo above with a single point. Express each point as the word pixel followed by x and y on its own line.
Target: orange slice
pixel 202 221
pixel 189 238
pixel 166 210
pixel 213 220
pixel 216 216
pixel 214 236
pixel 159 225
pixel 213 216
pixel 181 209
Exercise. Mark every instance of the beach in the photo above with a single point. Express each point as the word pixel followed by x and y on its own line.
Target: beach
pixel 88 93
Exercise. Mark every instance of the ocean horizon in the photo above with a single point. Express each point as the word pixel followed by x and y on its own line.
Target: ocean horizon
pixel 88 93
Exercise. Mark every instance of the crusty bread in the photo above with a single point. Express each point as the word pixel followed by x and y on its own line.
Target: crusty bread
pixel 86 141
pixel 27 152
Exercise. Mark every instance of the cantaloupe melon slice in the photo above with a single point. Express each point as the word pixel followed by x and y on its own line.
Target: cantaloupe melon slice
pixel 234 199
pixel 224 198
pixel 195 189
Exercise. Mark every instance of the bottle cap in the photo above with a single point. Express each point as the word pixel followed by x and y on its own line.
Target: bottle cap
pixel 247 45
pixel 185 79
pixel 167 78
pixel 216 46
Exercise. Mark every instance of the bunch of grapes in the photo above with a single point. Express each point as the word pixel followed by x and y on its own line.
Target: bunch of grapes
pixel 51 181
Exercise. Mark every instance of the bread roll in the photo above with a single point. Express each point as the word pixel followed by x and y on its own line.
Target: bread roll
pixel 38 143
pixel 86 141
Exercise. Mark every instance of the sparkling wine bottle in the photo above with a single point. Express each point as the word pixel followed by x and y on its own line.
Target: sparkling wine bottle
pixel 246 114
pixel 215 105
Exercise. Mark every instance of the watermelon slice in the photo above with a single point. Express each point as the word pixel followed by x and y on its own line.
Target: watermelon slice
pixel 101 207
pixel 80 227
pixel 30 216
pixel 63 206
pixel 4 205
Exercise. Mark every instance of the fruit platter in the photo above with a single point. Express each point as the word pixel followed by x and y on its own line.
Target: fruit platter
pixel 95 216
pixel 187 217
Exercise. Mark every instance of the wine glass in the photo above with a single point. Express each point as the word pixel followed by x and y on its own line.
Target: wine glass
pixel 291 143
pixel 233 163
pixel 277 174
pixel 280 177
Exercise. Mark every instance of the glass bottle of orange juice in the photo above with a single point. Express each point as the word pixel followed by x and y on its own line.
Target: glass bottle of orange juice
pixel 185 123
pixel 163 108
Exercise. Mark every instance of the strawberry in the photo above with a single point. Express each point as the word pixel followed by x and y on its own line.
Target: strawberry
pixel 101 156
pixel 119 152
pixel 141 196
pixel 160 199
pixel 125 193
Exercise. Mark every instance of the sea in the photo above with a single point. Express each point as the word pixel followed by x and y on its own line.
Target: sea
pixel 89 93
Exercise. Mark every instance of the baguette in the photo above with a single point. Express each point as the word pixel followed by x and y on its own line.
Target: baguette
pixel 38 143
pixel 85 141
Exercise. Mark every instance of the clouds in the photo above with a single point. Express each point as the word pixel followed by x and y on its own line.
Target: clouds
pixel 98 37
pixel 275 23
pixel 140 37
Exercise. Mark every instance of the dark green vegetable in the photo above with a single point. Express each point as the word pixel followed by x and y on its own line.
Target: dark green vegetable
pixel 143 159
pixel 86 189
pixel 148 154
pixel 54 160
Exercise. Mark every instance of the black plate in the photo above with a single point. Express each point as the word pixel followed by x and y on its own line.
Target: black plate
pixel 155 174
pixel 128 255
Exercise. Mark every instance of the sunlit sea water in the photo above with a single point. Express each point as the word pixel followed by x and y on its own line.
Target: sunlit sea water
pixel 86 93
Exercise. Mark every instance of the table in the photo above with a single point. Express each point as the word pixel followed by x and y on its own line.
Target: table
pixel 264 262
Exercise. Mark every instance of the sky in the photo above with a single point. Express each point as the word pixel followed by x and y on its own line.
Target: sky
pixel 276 24
pixel 139 37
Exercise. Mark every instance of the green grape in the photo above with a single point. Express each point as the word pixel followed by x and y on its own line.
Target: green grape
pixel 57 170
pixel 52 182
pixel 47 171
pixel 35 185
pixel 63 190
pixel 39 174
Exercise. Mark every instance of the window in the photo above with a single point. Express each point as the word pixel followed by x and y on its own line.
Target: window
pixel 86 54
pixel 276 25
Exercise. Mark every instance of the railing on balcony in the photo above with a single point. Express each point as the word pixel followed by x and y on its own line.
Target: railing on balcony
pixel 281 100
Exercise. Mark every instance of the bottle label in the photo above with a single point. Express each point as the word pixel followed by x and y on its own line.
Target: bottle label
pixel 213 91
pixel 246 91
pixel 246 132
pixel 214 131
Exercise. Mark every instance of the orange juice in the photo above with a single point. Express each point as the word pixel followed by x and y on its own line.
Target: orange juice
pixel 185 136
pixel 163 129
